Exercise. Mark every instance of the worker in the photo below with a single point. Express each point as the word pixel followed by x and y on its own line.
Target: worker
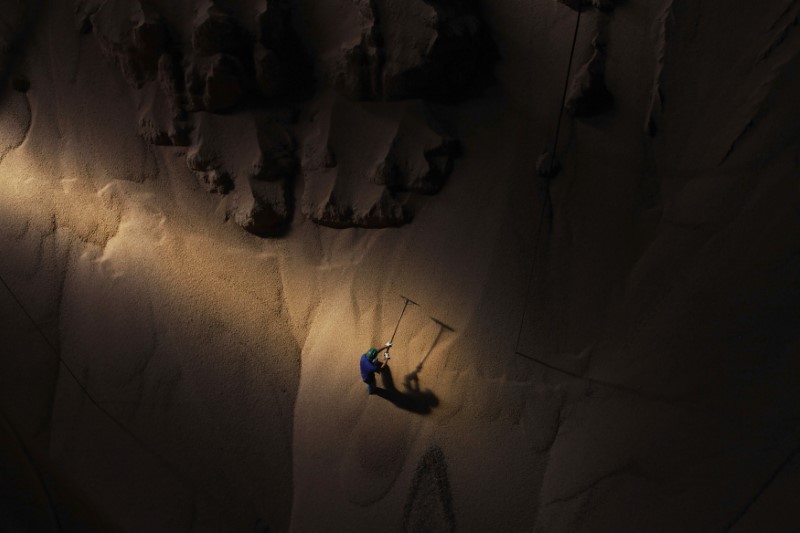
pixel 369 366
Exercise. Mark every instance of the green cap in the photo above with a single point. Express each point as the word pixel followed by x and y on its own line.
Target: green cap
pixel 372 353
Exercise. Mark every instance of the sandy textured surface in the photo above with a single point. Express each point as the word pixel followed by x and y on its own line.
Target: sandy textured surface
pixel 208 238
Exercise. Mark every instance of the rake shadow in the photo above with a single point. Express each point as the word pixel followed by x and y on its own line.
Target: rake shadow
pixel 412 398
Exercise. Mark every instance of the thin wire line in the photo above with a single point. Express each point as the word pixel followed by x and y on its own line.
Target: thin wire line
pixel 547 186
pixel 532 271
pixel 47 341
pixel 566 84
pixel 608 384
pixel 50 501
pixel 153 453
pixel 762 489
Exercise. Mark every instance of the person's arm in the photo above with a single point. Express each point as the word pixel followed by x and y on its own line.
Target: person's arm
pixel 386 353
pixel 385 357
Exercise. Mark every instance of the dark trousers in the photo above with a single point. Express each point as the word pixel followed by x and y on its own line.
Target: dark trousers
pixel 371 386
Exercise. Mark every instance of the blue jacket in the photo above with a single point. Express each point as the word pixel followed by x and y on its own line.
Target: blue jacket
pixel 368 368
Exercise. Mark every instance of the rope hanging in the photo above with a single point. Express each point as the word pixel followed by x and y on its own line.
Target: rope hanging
pixel 550 171
pixel 566 84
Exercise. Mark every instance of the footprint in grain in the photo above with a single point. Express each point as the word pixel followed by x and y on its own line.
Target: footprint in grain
pixel 429 506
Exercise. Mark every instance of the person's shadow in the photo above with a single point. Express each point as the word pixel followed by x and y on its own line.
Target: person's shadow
pixel 412 398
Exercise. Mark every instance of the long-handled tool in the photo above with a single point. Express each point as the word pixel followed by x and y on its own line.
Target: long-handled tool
pixel 389 344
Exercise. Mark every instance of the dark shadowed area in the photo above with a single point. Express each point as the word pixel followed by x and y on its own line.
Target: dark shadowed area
pixel 209 208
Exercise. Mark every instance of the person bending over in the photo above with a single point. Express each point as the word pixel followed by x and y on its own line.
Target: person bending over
pixel 369 366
